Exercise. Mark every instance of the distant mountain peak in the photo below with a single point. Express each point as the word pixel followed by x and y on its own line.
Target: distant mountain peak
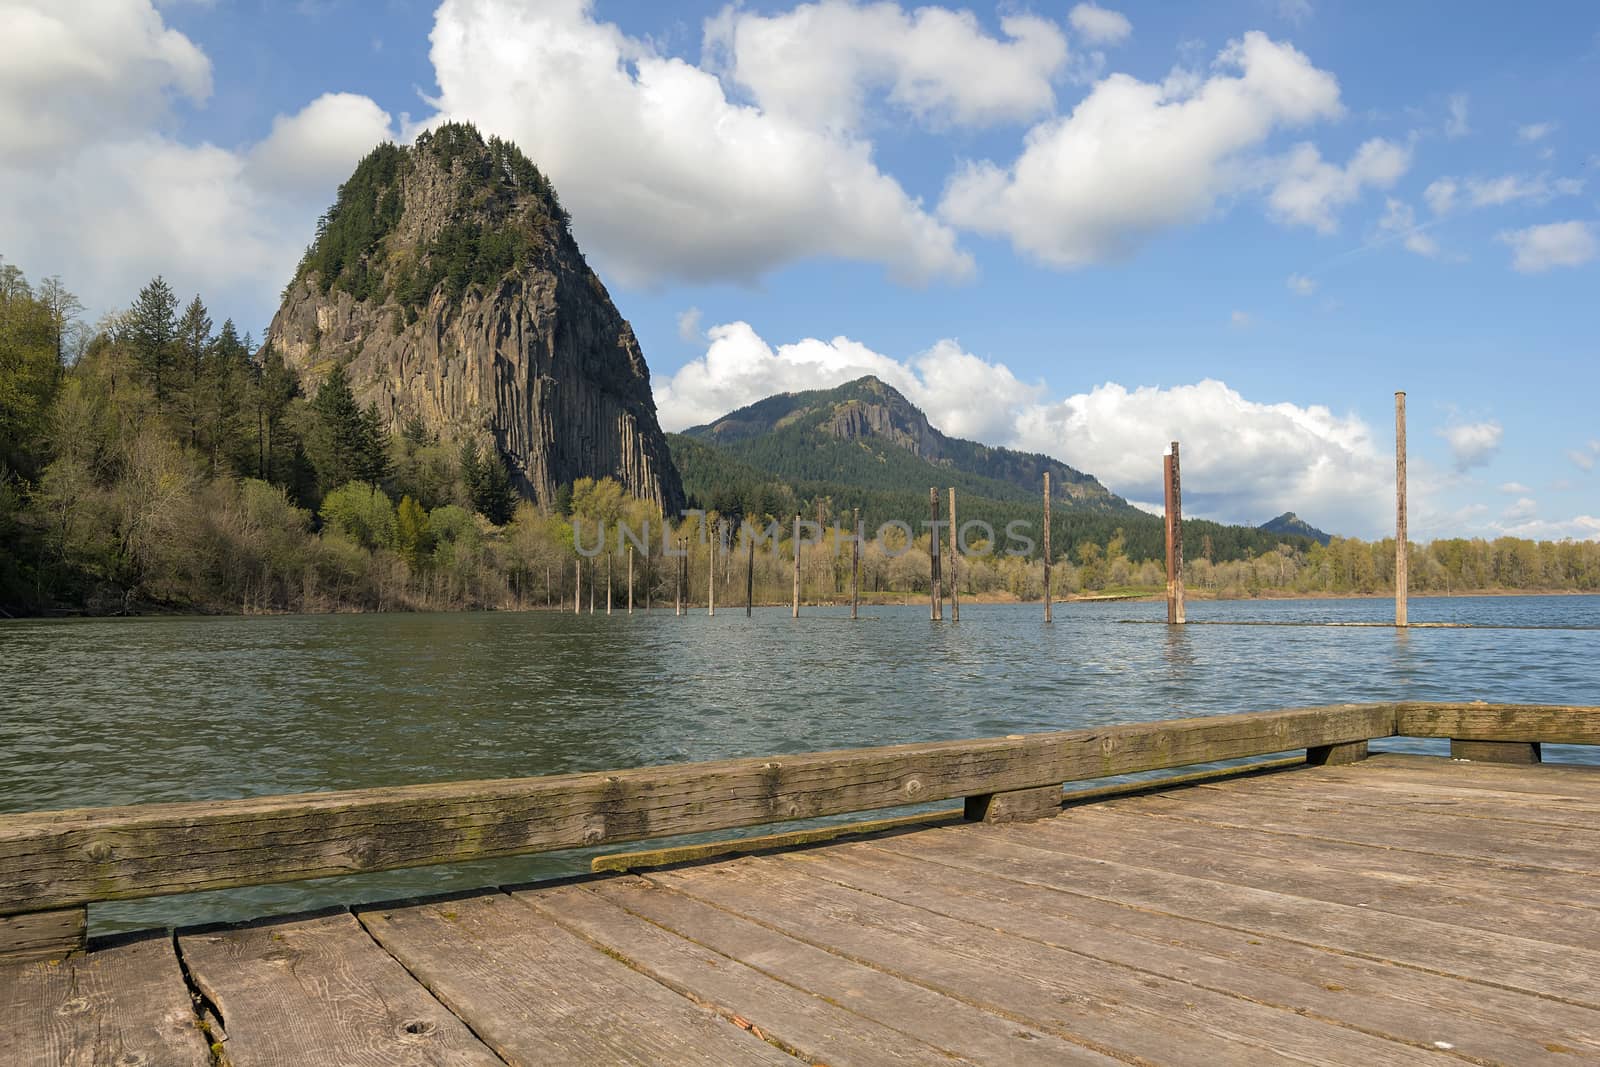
pixel 1292 524
pixel 800 436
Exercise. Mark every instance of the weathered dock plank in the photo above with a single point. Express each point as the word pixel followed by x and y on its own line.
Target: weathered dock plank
pixel 1532 966
pixel 817 1030
pixel 121 1004
pixel 1389 792
pixel 1069 993
pixel 1443 832
pixel 1284 865
pixel 319 990
pixel 539 994
pixel 1402 1004
pixel 959 1028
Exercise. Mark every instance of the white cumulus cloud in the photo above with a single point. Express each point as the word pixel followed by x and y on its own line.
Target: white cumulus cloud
pixel 1441 195
pixel 689 325
pixel 817 62
pixel 1473 444
pixel 94 189
pixel 666 177
pixel 1537 249
pixel 1535 131
pixel 1137 157
pixel 1311 191
pixel 1098 25
pixel 76 72
pixel 317 148
pixel 1244 460
pixel 1399 223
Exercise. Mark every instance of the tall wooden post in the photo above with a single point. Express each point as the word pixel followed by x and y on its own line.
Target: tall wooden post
pixel 1401 553
pixel 711 572
pixel 1171 478
pixel 630 579
pixel 955 572
pixel 749 575
pixel 936 595
pixel 677 582
pixel 797 564
pixel 547 585
pixel 577 588
pixel 591 592
pixel 1049 614
pixel 608 583
pixel 855 564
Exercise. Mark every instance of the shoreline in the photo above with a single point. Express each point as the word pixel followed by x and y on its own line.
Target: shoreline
pixel 880 599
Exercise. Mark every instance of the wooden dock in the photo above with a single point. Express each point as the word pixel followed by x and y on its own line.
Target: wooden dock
pixel 1326 908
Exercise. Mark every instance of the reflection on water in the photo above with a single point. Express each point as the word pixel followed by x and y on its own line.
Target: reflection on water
pixel 126 711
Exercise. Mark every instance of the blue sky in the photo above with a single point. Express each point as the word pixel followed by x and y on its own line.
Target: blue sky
pixel 1083 230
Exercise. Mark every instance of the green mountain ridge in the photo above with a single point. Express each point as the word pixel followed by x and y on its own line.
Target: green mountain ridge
pixel 864 445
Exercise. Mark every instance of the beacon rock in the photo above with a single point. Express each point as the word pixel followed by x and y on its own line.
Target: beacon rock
pixel 446 280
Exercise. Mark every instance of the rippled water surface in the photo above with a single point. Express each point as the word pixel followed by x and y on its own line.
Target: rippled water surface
pixel 97 712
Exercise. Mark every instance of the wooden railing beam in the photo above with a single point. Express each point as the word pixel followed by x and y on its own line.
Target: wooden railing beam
pixel 62 859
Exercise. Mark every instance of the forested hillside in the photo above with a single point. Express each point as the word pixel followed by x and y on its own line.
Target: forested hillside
pixel 153 461
pixel 865 446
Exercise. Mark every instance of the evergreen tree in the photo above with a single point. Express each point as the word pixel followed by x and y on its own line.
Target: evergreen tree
pixel 487 483
pixel 416 432
pixel 338 443
pixel 496 500
pixel 152 332
pixel 274 385
pixel 227 371
pixel 194 350
pixel 471 464
pixel 373 463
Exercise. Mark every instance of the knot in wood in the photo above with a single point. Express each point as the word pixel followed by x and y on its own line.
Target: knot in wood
pixel 416 1028
pixel 912 787
pixel 1108 745
pixel 594 834
pixel 132 1059
pixel 73 1006
pixel 99 851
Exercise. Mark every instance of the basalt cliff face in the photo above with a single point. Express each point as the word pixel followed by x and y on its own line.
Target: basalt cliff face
pixel 446 281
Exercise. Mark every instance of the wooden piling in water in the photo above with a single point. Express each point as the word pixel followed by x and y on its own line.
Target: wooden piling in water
pixel 577 588
pixel 796 565
pixel 855 564
pixel 677 582
pixel 955 572
pixel 1401 553
pixel 936 595
pixel 711 572
pixel 1049 614
pixel 630 579
pixel 749 575
pixel 608 583
pixel 1171 479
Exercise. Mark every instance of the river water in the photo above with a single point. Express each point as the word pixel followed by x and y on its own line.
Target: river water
pixel 96 712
